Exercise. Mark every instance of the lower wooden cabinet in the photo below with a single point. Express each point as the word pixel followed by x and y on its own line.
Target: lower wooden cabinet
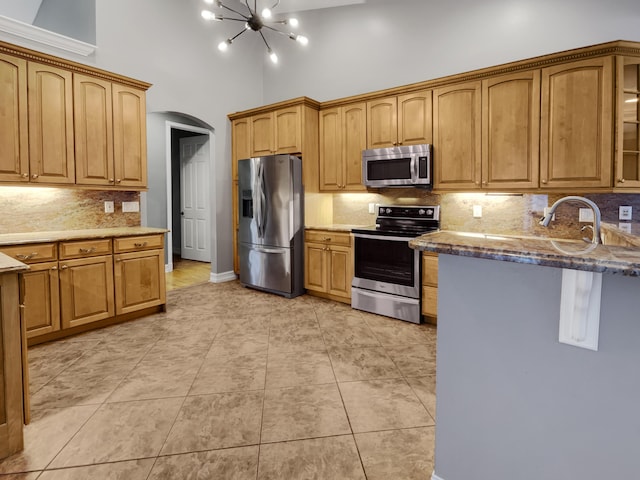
pixel 430 286
pixel 86 290
pixel 78 283
pixel 11 367
pixel 139 280
pixel 328 264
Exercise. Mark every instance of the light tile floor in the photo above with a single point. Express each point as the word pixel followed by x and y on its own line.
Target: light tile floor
pixel 231 383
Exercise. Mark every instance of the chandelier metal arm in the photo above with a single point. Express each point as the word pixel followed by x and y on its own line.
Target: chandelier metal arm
pixel 238 34
pixel 265 41
pixel 234 11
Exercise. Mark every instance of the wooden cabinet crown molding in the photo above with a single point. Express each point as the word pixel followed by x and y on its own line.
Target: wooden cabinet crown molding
pixel 304 101
pixel 33 55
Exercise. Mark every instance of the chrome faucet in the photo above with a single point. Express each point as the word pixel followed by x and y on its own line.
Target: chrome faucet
pixel 596 215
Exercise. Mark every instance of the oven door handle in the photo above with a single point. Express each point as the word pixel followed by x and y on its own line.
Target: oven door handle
pixel 383 237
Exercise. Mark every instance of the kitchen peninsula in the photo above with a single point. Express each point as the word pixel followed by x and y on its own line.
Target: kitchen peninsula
pixel 513 401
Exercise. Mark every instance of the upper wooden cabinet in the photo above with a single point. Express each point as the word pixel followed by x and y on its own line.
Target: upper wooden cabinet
pixel 51 144
pixel 63 123
pixel 110 133
pixel 511 131
pixel 14 154
pixel 457 136
pixel 129 136
pixel 274 132
pixel 399 120
pixel 576 134
pixel 342 139
pixel 627 159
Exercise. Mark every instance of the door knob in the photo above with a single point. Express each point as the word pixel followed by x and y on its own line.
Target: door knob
pixel 181 213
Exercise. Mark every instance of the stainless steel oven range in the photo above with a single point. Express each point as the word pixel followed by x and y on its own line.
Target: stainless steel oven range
pixel 387 272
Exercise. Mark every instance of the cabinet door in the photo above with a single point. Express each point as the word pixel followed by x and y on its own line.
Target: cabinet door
pixel 262 135
pixel 51 149
pixel 41 299
pixel 331 149
pixel 415 118
pixel 14 134
pixel 382 123
pixel 129 136
pixel 288 130
pixel 577 124
pixel 457 136
pixel 11 367
pixel 340 271
pixel 511 131
pixel 315 267
pixel 139 280
pixel 628 123
pixel 93 112
pixel 240 144
pixel 86 290
pixel 354 140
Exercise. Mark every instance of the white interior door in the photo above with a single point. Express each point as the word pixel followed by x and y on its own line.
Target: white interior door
pixel 194 198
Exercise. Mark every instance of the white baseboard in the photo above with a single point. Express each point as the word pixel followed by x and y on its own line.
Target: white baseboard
pixel 436 477
pixel 222 277
pixel 168 267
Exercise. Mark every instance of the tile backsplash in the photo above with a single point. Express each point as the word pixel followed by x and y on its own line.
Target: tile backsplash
pixel 34 209
pixel 507 214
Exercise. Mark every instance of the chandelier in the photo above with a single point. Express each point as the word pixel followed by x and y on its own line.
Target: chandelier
pixel 253 21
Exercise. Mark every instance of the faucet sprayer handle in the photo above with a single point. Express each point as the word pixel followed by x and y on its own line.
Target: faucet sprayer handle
pixel 586 239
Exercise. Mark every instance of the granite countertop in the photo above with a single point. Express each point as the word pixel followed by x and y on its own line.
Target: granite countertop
pixel 335 227
pixel 63 235
pixel 559 253
pixel 8 264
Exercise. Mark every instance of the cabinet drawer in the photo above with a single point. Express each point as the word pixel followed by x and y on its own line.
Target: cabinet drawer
pixel 430 301
pixel 324 236
pixel 32 253
pixel 429 269
pixel 141 242
pixel 85 248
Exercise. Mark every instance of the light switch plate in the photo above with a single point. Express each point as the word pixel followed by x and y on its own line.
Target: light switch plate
pixel 477 211
pixel 128 207
pixel 585 215
pixel 108 207
pixel 625 212
pixel 625 227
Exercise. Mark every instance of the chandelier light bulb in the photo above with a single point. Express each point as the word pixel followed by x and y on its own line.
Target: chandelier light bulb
pixel 266 13
pixel 208 2
pixel 273 56
pixel 223 46
pixel 208 15
pixel 293 22
pixel 302 40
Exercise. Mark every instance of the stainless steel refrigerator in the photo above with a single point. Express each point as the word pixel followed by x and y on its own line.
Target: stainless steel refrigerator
pixel 271 224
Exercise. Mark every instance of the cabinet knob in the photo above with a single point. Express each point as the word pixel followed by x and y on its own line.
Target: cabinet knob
pixel 621 180
pixel 140 244
pixel 543 181
pixel 35 175
pixel 118 180
pixel 25 175
pixel 484 182
pixel 111 180
pixel 327 239
pixel 87 250
pixel 63 267
pixel 54 268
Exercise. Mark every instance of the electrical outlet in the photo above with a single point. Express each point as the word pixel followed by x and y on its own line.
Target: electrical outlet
pixel 625 227
pixel 477 211
pixel 108 207
pixel 130 207
pixel 624 212
pixel 372 208
pixel 585 215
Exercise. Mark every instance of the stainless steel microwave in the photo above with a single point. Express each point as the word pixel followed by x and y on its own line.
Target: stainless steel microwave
pixel 405 165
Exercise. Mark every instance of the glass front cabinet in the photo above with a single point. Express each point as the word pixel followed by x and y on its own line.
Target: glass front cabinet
pixel 628 142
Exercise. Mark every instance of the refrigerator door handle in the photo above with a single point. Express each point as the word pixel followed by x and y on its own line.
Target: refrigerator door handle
pixel 269 250
pixel 263 201
pixel 257 198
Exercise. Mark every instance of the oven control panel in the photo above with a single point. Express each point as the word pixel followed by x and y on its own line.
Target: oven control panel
pixel 409 211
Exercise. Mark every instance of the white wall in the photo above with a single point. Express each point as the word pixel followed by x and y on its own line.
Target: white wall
pixel 23 10
pixel 166 43
pixel 382 44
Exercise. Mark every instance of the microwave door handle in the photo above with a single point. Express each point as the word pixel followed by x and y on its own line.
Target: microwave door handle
pixel 414 168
